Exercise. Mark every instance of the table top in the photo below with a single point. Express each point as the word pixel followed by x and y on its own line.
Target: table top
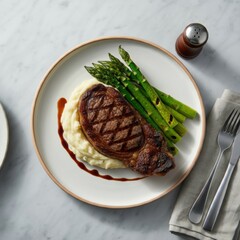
pixel 33 35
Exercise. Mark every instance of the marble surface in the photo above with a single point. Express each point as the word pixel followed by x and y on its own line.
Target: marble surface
pixel 33 35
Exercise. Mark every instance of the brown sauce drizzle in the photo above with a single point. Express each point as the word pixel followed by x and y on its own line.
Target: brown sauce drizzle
pixel 61 104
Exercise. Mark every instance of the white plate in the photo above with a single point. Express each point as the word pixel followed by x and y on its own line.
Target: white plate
pixel 165 72
pixel 3 135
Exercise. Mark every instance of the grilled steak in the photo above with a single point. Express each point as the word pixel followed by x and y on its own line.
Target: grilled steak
pixel 117 130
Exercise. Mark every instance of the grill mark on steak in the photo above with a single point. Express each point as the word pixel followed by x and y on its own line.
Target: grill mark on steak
pixel 117 130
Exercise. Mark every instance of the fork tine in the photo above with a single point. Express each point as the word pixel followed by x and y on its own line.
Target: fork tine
pixel 231 122
pixel 236 124
pixel 228 121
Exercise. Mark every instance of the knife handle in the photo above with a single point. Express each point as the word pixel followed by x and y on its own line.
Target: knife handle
pixel 218 200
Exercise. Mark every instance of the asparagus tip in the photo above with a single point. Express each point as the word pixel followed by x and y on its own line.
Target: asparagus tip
pixel 112 58
pixel 89 69
pixel 125 55
pixel 96 65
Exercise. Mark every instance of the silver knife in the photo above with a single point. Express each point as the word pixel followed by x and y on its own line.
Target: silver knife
pixel 222 189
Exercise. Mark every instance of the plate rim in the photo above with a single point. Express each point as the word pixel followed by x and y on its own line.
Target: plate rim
pixel 99 39
pixel 2 111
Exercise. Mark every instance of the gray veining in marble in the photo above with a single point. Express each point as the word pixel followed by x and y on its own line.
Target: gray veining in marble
pixel 33 34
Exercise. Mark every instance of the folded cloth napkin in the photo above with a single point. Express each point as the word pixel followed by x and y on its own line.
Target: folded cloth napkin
pixel 228 219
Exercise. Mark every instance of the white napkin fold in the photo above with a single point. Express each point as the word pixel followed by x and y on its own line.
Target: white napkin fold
pixel 228 219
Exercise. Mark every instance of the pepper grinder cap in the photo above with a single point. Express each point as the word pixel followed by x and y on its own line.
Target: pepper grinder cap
pixel 196 34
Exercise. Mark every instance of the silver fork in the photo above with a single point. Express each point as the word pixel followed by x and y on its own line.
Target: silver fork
pixel 225 139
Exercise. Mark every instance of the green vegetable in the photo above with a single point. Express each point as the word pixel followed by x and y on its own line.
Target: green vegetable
pixel 180 128
pixel 166 115
pixel 165 98
pixel 176 105
pixel 178 116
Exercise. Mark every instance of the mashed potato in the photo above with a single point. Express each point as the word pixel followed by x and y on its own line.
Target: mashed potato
pixel 74 135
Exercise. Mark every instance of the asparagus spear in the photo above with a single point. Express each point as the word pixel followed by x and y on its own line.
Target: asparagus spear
pixel 171 147
pixel 111 81
pixel 178 116
pixel 167 116
pixel 121 66
pixel 177 105
pixel 165 98
pixel 179 128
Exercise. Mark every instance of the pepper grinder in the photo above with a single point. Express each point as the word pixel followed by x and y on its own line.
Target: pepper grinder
pixel 191 41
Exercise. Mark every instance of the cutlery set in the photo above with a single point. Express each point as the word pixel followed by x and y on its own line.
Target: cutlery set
pixel 227 136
